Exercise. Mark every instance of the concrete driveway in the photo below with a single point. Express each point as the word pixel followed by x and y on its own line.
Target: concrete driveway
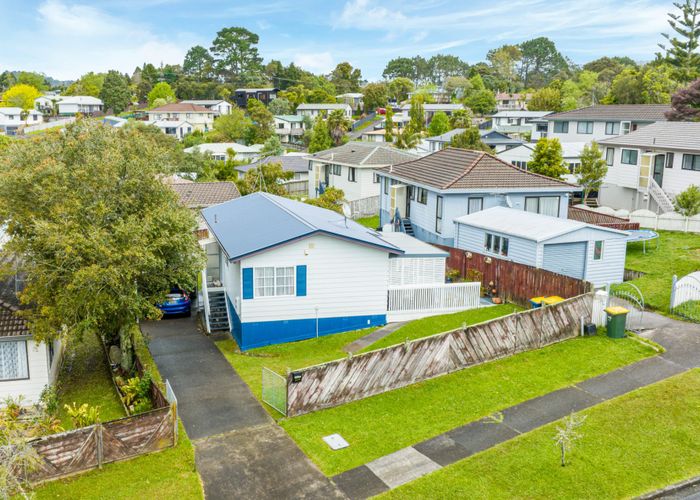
pixel 240 451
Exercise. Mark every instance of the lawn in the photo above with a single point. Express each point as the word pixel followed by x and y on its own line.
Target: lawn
pixel 437 324
pixel 630 445
pixel 370 222
pixel 678 253
pixel 85 378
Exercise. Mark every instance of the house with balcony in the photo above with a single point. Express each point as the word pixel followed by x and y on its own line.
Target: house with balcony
pixel 439 96
pixel 429 110
pixel 224 151
pixel 264 95
pixel 289 128
pixel 497 140
pixel 649 167
pixel 352 99
pixel 512 102
pixel 314 110
pixel 198 117
pixel 12 119
pixel 424 196
pixel 218 106
pixel 518 123
pixel 69 105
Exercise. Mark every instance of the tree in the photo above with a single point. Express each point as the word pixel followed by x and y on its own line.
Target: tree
pixel 592 170
pixel 540 62
pixel 320 96
pixel 546 99
pixel 470 139
pixel 346 78
pixel 504 62
pixel 375 96
pixel 296 94
pixel 567 435
pixel 161 90
pixel 658 84
pixel 20 96
pixel 88 84
pixel 102 237
pixel 439 124
pixel 267 177
pixel 235 53
pixel 687 203
pixel 280 106
pixel 417 114
pixel 626 88
pixel 262 122
pixel 331 199
pixel 458 86
pixel 682 52
pixel 401 67
pixel 231 127
pixel 389 125
pixel 115 93
pixel 481 101
pixel 441 67
pixel 461 118
pixel 685 104
pixel 399 88
pixel 338 125
pixel 272 147
pixel 548 159
pixel 198 63
pixel 320 139
pixel 407 138
pixel 36 80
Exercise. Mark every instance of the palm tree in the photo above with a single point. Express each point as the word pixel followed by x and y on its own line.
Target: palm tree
pixel 407 138
pixel 338 125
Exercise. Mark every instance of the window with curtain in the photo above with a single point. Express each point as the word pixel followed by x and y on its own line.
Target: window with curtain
pixel 438 215
pixel 351 174
pixel 561 127
pixel 609 156
pixel 274 281
pixel 584 127
pixel 545 205
pixel 13 360
pixel 612 128
pixel 598 250
pixel 669 160
pixel 691 162
pixel 496 244
pixel 284 281
pixel 475 205
pixel 629 156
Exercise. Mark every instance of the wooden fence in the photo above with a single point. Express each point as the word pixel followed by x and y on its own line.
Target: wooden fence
pixel 364 207
pixel 297 187
pixel 514 282
pixel 407 302
pixel 358 377
pixel 600 219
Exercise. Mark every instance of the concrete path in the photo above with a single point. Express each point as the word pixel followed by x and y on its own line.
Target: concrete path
pixel 682 343
pixel 373 337
pixel 239 450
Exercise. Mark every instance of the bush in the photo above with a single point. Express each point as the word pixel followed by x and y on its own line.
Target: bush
pixel 83 415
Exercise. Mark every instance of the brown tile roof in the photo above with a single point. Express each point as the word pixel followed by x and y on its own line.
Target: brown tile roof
pixel 364 153
pixel 11 325
pixel 453 168
pixel 205 194
pixel 180 107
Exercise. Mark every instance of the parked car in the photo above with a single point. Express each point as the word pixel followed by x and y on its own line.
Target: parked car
pixel 381 111
pixel 177 302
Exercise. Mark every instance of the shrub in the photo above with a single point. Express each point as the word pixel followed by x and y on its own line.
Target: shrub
pixel 83 415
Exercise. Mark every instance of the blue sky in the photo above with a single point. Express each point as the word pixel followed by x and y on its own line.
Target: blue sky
pixel 65 38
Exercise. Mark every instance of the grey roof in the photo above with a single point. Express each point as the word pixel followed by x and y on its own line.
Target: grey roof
pixel 261 221
pixel 489 137
pixel 205 194
pixel 363 153
pixel 617 112
pixel 437 107
pixel 412 247
pixel 684 136
pixel 521 114
pixel 203 102
pixel 266 89
pixel 295 164
pixel 322 106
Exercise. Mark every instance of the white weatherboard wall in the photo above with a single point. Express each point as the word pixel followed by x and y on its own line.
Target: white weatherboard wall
pixel 342 278
pixel 362 187
pixel 520 250
pixel 40 373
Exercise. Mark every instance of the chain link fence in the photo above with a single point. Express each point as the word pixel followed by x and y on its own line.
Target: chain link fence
pixel 274 390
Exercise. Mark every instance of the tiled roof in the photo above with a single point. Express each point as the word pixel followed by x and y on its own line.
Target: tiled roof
pixel 454 168
pixel 11 324
pixel 618 112
pixel 296 164
pixel 205 194
pixel 180 107
pixel 684 136
pixel 322 106
pixel 358 153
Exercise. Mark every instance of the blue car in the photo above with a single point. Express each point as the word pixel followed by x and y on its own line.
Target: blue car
pixel 177 302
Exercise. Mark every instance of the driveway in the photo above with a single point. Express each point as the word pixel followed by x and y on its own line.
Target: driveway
pixel 239 450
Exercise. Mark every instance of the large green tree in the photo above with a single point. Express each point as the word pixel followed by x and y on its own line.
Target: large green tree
pixel 540 62
pixel 320 137
pixel 262 122
pixel 236 56
pixel 338 125
pixel 389 125
pixel 267 177
pixel 88 84
pixel 198 63
pixel 591 172
pixel 504 61
pixel 417 114
pixel 399 88
pixel 470 139
pixel 115 93
pixel 101 237
pixel 280 106
pixel 20 96
pixel 163 91
pixel 682 50
pixel 439 124
pixel 375 96
pixel 547 159
pixel 231 127
pixel 36 80
pixel 546 99
pixel 346 78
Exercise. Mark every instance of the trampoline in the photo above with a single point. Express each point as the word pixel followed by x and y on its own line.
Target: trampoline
pixel 643 235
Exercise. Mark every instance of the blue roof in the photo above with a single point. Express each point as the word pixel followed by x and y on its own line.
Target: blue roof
pixel 261 221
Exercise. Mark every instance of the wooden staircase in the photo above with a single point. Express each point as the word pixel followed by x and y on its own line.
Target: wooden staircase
pixel 218 312
pixel 408 227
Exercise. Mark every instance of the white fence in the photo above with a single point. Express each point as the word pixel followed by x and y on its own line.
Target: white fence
pixel 418 301
pixel 364 207
pixel 669 221
pixel 47 125
pixel 685 289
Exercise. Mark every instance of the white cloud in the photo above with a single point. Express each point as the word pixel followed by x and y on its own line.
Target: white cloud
pixel 317 62
pixel 367 15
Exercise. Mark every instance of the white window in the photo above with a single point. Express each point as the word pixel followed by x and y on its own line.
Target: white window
pixel 475 205
pixel 598 250
pixel 626 127
pixel 274 281
pixel 629 156
pixel 336 169
pixel 609 156
pixel 545 205
pixel 375 178
pixel 612 128
pixel 438 215
pixel 584 128
pixel 13 360
pixel 351 174
pixel 422 196
pixel 496 244
pixel 561 127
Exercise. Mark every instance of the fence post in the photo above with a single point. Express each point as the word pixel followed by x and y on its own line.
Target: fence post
pixel 673 292
pixel 173 412
pixel 100 451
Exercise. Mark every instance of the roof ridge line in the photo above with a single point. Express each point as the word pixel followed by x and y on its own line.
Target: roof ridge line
pixel 282 207
pixel 467 170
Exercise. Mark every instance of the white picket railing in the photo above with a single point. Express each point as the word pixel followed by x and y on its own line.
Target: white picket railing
pixel 659 195
pixel 205 299
pixel 409 302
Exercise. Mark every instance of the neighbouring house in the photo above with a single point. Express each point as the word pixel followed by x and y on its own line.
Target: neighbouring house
pixel 299 164
pixel 518 122
pixel 199 117
pixel 351 167
pixel 218 106
pixel 12 119
pixel 313 110
pixel 439 96
pixel 649 167
pixel 241 96
pixel 564 246
pixel 512 102
pixel 174 128
pixel 26 366
pixel 199 195
pixel 521 155
pixel 428 193
pixel 429 110
pixel 289 128
pixel 114 121
pixel 221 150
pixel 352 99
pixel 285 270
pixel 498 141
pixel 68 105
pixel 595 123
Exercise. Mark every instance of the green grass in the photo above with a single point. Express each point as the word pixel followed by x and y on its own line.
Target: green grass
pixel 85 378
pixel 631 445
pixel 370 222
pixel 444 323
pixel 167 474
pixel 678 253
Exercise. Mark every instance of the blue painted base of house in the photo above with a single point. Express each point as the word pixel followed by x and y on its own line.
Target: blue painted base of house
pixel 429 237
pixel 262 333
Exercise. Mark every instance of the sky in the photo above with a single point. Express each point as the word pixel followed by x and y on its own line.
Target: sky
pixel 66 38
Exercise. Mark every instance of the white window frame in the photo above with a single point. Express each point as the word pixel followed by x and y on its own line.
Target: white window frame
pixel 439 206
pixel 22 361
pixel 495 243
pixel 587 127
pixel 539 204
pixel 625 128
pixel 602 249
pixel 352 174
pixel 273 287
pixel 609 156
pixel 622 156
pixel 614 128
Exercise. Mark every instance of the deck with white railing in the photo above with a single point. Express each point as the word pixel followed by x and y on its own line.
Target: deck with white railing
pixel 408 302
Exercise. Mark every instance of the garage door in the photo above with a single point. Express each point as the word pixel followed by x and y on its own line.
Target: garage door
pixel 565 258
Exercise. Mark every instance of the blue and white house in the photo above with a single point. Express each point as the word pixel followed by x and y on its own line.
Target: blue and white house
pixel 583 251
pixel 429 193
pixel 280 270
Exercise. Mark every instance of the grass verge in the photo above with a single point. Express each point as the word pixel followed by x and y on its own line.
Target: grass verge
pixel 370 222
pixel 631 445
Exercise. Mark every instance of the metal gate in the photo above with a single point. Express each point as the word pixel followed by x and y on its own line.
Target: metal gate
pixel 685 296
pixel 274 390
pixel 630 297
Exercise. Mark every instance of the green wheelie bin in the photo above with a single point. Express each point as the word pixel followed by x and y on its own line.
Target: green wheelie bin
pixel 616 319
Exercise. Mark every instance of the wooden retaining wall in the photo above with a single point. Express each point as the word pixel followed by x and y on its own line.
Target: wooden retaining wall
pixel 516 283
pixel 358 377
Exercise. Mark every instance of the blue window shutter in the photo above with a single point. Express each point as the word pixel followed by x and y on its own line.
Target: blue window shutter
pixel 301 281
pixel 247 282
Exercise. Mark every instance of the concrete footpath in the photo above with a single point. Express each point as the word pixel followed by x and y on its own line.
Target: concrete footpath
pixel 239 450
pixel 682 343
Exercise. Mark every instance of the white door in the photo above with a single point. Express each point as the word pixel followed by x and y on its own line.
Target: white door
pixel 398 200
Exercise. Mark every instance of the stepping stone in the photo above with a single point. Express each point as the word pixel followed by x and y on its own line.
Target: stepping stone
pixel 360 482
pixel 402 467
